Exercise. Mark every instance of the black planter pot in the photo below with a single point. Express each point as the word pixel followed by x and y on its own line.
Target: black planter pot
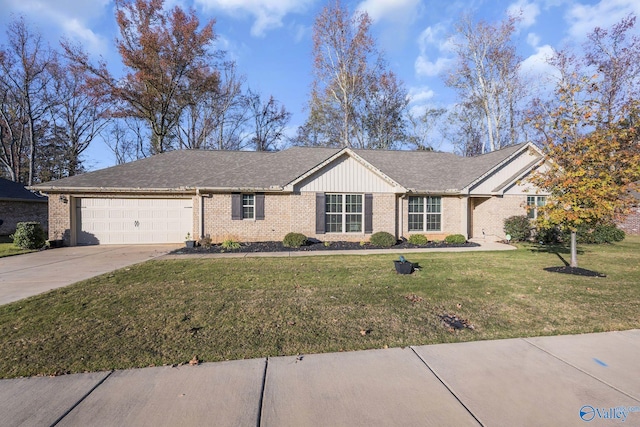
pixel 405 267
pixel 190 243
pixel 57 243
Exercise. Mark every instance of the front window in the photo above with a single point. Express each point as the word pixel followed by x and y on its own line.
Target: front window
pixel 248 206
pixel 344 213
pixel 533 203
pixel 425 213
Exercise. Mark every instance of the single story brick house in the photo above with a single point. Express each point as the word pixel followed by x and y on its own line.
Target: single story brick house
pixel 324 193
pixel 17 204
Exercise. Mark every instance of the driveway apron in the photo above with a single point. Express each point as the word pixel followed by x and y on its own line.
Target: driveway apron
pixel 22 276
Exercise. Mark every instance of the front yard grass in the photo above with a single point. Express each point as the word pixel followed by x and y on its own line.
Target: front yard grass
pixel 166 312
pixel 7 248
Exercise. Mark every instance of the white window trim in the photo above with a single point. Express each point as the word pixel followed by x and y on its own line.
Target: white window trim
pixel 344 214
pixel 534 208
pixel 253 205
pixel 424 214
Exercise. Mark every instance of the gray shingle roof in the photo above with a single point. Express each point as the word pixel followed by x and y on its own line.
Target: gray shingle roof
pixel 10 190
pixel 227 170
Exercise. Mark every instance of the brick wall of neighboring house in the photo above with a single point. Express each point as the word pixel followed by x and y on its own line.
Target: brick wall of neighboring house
pixel 60 217
pixel 489 213
pixel 13 212
pixel 631 224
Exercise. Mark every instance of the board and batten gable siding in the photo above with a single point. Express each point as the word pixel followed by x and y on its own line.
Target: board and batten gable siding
pixel 345 175
pixel 504 173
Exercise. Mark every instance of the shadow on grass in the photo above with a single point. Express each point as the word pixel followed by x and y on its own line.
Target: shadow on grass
pixel 566 269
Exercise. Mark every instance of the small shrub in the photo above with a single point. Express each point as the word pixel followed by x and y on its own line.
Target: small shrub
pixel 418 239
pixel 606 233
pixel 327 244
pixel 519 227
pixel 363 243
pixel 550 236
pixel 230 245
pixel 205 242
pixel 29 235
pixel 294 240
pixel 383 239
pixel 455 239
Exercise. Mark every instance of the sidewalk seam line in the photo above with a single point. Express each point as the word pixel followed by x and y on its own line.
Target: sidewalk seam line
pixel 264 386
pixel 68 411
pixel 581 370
pixel 446 386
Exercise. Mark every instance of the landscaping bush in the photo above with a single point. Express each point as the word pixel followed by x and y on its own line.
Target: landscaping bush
pixel 550 236
pixel 205 242
pixel 230 244
pixel 29 235
pixel 294 240
pixel 455 239
pixel 383 239
pixel 603 233
pixel 519 227
pixel 418 239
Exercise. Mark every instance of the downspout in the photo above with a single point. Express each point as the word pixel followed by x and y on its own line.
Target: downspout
pixel 201 213
pixel 401 215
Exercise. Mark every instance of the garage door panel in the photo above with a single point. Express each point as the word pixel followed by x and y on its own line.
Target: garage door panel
pixel 130 221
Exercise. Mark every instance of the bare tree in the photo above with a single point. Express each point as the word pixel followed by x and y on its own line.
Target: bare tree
pixel 79 116
pixel 25 80
pixel 422 128
pixel 354 102
pixel 486 77
pixel 270 119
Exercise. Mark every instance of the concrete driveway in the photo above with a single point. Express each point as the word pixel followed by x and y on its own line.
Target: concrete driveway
pixel 22 276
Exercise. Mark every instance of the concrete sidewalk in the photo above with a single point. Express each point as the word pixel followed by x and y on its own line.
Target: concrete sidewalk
pixel 547 381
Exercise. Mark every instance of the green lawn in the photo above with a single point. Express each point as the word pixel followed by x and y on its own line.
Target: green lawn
pixel 165 312
pixel 7 248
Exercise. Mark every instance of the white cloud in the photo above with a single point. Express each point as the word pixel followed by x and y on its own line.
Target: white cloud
pixel 533 39
pixel 418 95
pixel 70 18
pixel 525 9
pixel 268 14
pixel 582 18
pixel 433 44
pixel 401 11
pixel 537 66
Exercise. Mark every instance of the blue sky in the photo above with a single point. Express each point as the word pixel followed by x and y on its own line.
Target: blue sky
pixel 271 39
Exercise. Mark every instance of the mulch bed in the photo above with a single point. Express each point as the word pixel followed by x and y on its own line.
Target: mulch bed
pixel 313 246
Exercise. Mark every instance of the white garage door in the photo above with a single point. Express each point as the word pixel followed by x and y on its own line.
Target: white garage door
pixel 130 221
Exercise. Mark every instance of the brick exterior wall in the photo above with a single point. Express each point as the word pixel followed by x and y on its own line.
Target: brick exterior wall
pixel 60 218
pixel 489 213
pixel 451 219
pixel 13 212
pixel 219 225
pixel 631 224
pixel 285 213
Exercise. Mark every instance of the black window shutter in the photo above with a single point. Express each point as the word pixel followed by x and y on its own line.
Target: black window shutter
pixel 259 198
pixel 320 213
pixel 368 213
pixel 236 206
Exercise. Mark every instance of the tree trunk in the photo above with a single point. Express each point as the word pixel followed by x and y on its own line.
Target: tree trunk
pixel 574 250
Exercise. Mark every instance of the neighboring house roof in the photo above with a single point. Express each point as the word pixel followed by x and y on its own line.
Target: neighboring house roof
pixel 186 170
pixel 16 192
